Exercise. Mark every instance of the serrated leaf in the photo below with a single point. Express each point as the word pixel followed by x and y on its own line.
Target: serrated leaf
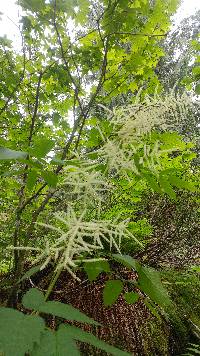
pixel 180 183
pixel 41 147
pixel 7 154
pixel 89 338
pixel 166 187
pixel 172 140
pixel 18 332
pixel 111 291
pixel 93 269
pixel 34 299
pixel 148 279
pixel 31 180
pixel 150 283
pixel 131 297
pixel 152 181
pixel 50 178
pixel 127 261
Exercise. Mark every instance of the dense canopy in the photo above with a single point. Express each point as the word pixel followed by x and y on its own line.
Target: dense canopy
pixel 99 153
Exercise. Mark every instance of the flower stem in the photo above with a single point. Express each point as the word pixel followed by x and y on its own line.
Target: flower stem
pixel 52 283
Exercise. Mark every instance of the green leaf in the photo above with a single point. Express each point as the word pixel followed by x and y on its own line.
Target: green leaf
pixel 93 269
pixel 35 5
pixel 12 173
pixel 83 336
pixel 148 279
pixel 152 308
pixel 47 345
pixel 166 187
pixel 197 89
pixel 30 273
pixel 172 140
pixel 127 261
pixel 31 180
pixel 50 178
pixel 57 161
pixel 6 153
pixel 131 297
pixel 65 311
pixel 56 343
pixel 66 344
pixel 195 351
pixel 41 147
pixel 34 299
pixel 111 291
pixel 177 182
pixel 181 184
pixel 150 283
pixel 18 332
pixel 152 181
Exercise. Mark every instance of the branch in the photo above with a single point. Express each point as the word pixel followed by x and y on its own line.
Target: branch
pixel 35 109
pixel 99 86
pixel 34 196
pixel 76 90
pixel 76 123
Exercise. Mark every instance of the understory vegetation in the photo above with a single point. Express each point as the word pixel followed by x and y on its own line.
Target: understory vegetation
pixel 99 189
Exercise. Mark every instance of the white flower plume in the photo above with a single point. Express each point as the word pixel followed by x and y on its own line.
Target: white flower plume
pixel 86 182
pixel 138 119
pixel 80 238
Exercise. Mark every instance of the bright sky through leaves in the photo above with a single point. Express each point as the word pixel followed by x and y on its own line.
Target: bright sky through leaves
pixel 10 10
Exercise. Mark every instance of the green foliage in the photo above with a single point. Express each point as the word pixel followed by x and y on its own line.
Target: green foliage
pixel 55 343
pixel 30 273
pixel 93 269
pixel 180 65
pixel 111 292
pixel 183 287
pixel 148 280
pixel 150 283
pixel 34 299
pixel 82 336
pixel 41 147
pixel 131 297
pixel 20 333
pixel 7 154
pixel 74 168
